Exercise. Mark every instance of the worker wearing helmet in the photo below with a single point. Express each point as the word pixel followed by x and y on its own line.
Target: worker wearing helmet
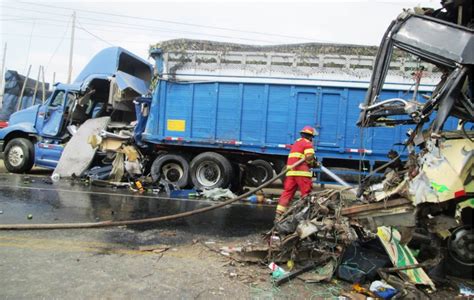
pixel 300 176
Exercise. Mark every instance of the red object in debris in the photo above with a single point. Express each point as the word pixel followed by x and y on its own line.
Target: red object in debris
pixel 459 193
pixel 3 124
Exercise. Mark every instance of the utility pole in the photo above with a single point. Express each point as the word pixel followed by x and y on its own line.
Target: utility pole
pixel 20 99
pixel 2 76
pixel 36 86
pixel 43 85
pixel 71 50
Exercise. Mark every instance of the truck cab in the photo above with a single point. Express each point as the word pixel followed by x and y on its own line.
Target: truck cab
pixel 105 87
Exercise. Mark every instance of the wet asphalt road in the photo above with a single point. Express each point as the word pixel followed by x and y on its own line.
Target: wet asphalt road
pixel 107 263
pixel 63 202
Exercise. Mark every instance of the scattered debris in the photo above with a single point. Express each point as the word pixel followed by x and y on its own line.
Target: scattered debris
pixel 313 227
pixel 320 274
pixel 154 248
pixel 277 271
pixel 382 289
pixel 361 260
pixel 218 194
pixel 466 291
pixel 401 256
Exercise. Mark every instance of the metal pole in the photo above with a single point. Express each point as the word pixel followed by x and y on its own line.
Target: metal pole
pixel 71 50
pixel 2 76
pixel 20 100
pixel 43 86
pixel 36 86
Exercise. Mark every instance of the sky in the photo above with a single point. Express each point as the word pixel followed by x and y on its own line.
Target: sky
pixel 38 32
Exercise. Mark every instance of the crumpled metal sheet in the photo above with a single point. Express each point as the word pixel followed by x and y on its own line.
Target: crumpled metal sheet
pixel 401 256
pixel 313 226
pixel 76 162
pixel 125 81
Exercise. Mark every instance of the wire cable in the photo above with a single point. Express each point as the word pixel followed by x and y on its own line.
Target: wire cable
pixel 92 34
pixel 174 22
pixel 57 47
pixel 29 45
pixel 136 27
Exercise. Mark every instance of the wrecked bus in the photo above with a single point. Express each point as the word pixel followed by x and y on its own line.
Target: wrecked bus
pixel 105 87
pixel 432 190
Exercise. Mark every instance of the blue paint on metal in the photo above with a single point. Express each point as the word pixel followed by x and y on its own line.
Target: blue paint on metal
pixel 113 59
pixel 262 118
pixel 47 120
pixel 25 118
pixel 126 81
pixel 47 154
pixel 341 83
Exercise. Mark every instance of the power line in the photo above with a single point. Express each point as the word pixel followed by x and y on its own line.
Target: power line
pixel 150 29
pixel 174 22
pixel 16 35
pixel 29 45
pixel 57 47
pixel 92 34
pixel 103 22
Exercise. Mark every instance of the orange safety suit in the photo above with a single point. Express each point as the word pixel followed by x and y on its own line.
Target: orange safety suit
pixel 300 176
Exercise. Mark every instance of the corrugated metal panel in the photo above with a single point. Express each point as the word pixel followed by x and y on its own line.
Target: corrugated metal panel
pixel 228 112
pixel 265 118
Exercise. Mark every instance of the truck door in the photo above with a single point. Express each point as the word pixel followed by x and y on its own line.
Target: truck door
pixel 51 114
pixel 306 110
pixel 329 119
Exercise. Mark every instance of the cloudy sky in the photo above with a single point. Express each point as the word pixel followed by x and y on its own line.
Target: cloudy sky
pixel 38 32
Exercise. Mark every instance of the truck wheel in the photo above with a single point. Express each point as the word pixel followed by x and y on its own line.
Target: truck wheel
pixel 211 170
pixel 173 168
pixel 258 172
pixel 460 254
pixel 279 165
pixel 19 155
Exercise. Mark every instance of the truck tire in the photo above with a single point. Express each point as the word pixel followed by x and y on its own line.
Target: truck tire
pixel 211 170
pixel 19 155
pixel 173 168
pixel 258 172
pixel 279 165
pixel 460 256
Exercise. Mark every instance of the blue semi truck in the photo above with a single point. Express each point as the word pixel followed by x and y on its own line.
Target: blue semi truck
pixel 105 87
pixel 217 119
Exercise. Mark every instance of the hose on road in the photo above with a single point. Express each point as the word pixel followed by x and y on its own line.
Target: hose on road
pixel 147 220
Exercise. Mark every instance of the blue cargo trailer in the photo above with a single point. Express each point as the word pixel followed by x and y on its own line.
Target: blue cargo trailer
pixel 218 119
pixel 253 122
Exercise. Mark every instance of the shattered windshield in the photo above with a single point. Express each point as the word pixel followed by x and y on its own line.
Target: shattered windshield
pixel 442 79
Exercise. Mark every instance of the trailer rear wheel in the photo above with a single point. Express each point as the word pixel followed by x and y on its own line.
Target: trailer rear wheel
pixel 173 168
pixel 279 165
pixel 211 170
pixel 19 155
pixel 258 172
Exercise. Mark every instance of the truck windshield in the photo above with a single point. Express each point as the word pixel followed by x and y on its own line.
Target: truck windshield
pixel 58 99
